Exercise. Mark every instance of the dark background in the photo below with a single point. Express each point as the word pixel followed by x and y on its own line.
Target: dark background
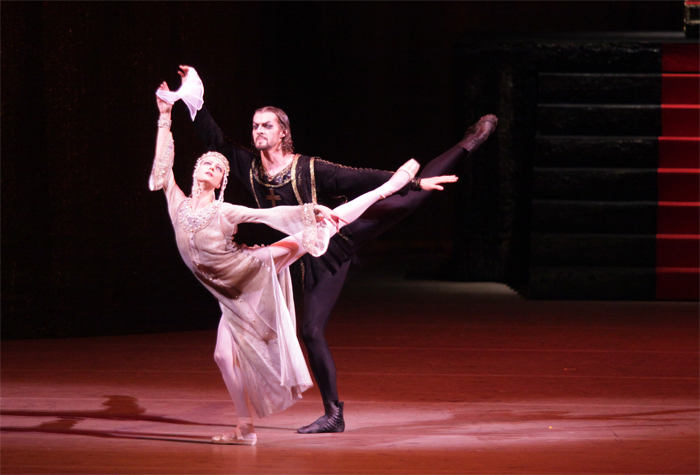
pixel 87 249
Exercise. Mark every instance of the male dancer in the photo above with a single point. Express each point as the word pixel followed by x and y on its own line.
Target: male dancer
pixel 277 176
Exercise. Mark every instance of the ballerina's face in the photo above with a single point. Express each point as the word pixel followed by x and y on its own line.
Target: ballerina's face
pixel 211 172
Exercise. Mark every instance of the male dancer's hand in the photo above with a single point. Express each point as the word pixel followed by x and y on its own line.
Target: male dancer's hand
pixel 435 182
pixel 183 72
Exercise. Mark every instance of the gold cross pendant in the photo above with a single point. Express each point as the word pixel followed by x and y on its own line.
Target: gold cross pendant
pixel 273 197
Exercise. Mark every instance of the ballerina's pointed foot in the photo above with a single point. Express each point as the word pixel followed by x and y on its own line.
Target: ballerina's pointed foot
pixel 398 180
pixel 411 167
pixel 236 438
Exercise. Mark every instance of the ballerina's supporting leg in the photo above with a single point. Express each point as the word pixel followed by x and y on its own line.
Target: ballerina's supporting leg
pixel 225 358
pixel 289 249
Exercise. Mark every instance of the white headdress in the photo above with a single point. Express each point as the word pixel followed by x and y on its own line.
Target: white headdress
pixel 196 187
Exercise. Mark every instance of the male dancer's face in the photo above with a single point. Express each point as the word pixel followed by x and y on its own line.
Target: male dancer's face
pixel 267 131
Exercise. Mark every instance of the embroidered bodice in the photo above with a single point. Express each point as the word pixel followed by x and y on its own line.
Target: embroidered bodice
pixel 193 222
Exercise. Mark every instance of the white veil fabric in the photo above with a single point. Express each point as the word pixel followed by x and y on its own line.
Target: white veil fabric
pixel 191 92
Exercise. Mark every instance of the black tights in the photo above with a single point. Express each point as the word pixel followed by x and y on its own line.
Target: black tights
pixel 320 298
pixel 318 305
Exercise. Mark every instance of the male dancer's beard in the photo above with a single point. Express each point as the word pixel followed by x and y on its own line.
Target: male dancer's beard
pixel 264 146
pixel 267 146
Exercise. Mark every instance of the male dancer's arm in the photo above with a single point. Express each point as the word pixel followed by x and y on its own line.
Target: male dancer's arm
pixel 191 92
pixel 214 140
pixel 335 181
pixel 338 181
pixel 332 180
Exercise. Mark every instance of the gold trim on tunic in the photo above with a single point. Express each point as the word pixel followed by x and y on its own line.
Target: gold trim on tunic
pixel 252 186
pixel 267 179
pixel 294 179
pixel 312 170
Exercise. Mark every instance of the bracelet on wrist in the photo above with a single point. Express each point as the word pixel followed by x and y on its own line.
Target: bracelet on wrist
pixel 165 123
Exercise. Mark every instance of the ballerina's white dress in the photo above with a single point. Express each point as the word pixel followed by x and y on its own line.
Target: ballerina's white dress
pixel 255 298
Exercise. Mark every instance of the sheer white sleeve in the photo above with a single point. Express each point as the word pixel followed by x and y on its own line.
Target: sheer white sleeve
pixel 297 221
pixel 191 92
pixel 162 177
pixel 163 162
pixel 315 235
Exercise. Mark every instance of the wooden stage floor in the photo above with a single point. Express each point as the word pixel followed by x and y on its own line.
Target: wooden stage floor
pixel 436 378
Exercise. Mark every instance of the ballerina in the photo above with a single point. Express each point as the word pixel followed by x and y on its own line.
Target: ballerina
pixel 257 349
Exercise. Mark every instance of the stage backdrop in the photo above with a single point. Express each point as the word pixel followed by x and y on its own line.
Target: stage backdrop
pixel 88 250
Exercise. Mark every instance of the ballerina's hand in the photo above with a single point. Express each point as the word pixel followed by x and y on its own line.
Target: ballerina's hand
pixel 325 213
pixel 435 182
pixel 163 106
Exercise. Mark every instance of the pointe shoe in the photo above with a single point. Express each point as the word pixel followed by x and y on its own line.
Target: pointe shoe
pixel 399 180
pixel 331 421
pixel 478 133
pixel 411 167
pixel 237 439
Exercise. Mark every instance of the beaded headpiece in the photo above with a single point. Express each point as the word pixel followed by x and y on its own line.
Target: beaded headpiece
pixel 196 189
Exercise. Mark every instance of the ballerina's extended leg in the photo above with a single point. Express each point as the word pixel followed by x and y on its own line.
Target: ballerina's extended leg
pixel 352 210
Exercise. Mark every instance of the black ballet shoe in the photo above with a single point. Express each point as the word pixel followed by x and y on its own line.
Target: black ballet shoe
pixel 331 421
pixel 478 133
